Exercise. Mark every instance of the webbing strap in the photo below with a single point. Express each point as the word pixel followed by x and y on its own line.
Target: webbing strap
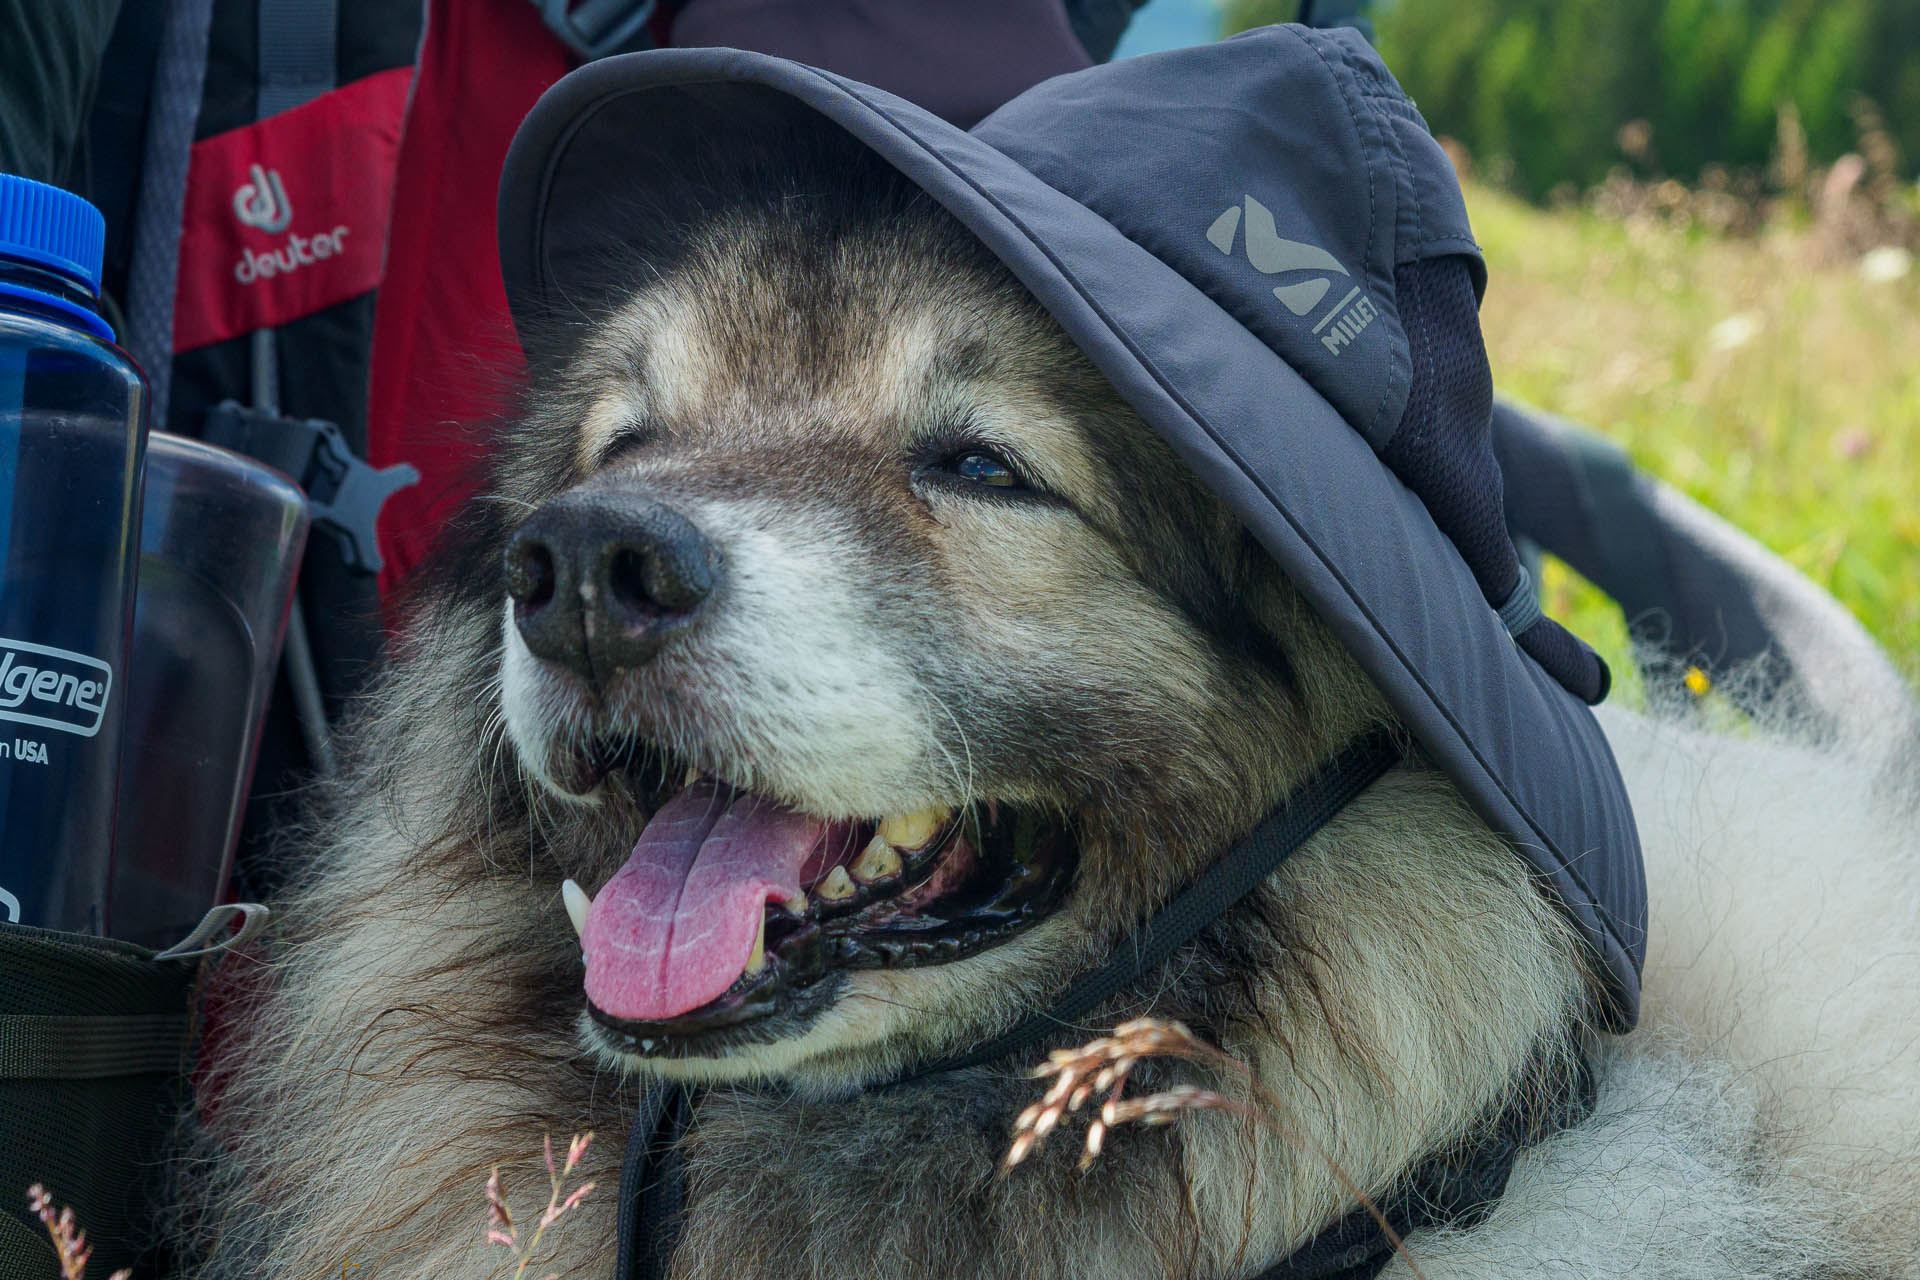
pixel 652 1185
pixel 596 29
pixel 91 1046
pixel 21 1242
pixel 1454 1189
pixel 1239 872
pixel 178 77
pixel 298 50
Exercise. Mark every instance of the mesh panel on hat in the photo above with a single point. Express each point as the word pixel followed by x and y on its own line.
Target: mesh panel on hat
pixel 1443 451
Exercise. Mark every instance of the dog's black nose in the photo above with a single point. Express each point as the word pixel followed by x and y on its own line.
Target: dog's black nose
pixel 600 582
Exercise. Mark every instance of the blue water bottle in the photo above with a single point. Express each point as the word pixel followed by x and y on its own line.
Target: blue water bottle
pixel 72 437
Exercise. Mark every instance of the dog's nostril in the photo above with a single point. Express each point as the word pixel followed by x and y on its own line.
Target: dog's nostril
pixel 530 573
pixel 627 581
pixel 671 578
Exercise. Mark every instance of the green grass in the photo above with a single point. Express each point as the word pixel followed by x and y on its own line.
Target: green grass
pixel 1807 434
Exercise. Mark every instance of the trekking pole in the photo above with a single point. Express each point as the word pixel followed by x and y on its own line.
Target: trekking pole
pixel 296 655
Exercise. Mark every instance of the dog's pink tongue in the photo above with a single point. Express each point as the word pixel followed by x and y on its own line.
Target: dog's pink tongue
pixel 676 925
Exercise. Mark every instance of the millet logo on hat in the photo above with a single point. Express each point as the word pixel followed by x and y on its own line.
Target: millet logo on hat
pixel 1272 254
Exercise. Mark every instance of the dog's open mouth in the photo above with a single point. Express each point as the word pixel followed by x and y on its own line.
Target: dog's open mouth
pixel 734 906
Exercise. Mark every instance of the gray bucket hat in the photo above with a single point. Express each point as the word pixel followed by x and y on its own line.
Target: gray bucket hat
pixel 1261 246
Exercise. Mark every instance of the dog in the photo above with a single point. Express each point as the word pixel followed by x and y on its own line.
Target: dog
pixel 880 572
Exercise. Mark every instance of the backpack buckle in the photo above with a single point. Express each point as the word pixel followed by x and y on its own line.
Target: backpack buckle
pixel 346 493
pixel 596 29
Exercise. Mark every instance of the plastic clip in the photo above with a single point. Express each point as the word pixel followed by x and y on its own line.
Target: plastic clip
pixel 201 942
pixel 345 492
pixel 596 29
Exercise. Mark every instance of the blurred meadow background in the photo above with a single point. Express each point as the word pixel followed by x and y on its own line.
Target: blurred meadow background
pixel 1700 219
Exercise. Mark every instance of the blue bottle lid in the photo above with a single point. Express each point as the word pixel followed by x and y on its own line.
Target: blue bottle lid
pixel 46 227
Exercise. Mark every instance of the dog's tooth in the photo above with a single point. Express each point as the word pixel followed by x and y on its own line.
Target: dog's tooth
pixel 836 887
pixel 912 830
pixel 877 861
pixel 757 960
pixel 577 903
pixel 693 776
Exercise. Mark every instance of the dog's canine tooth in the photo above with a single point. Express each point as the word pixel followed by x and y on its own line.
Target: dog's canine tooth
pixel 912 830
pixel 837 886
pixel 877 861
pixel 693 776
pixel 577 903
pixel 757 959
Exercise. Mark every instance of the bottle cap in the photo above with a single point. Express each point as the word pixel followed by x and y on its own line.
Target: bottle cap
pixel 56 230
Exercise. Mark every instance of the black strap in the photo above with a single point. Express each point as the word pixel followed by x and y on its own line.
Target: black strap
pixel 91 1046
pixel 1238 872
pixel 297 47
pixel 652 1180
pixel 653 1185
pixel 178 78
pixel 1455 1188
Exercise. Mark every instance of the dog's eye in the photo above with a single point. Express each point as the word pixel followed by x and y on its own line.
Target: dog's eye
pixel 967 469
pixel 984 468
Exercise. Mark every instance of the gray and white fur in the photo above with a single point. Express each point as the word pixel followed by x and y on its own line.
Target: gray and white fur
pixel 1110 648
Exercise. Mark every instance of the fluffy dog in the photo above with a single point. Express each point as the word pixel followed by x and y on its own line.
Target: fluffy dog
pixel 825 540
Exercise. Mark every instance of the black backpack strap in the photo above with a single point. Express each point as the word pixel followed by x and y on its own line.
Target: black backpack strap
pixel 1099 24
pixel 298 49
pixel 178 78
pixel 1453 1189
pixel 82 1046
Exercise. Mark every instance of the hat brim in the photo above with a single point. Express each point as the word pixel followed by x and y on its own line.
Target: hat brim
pixel 1353 539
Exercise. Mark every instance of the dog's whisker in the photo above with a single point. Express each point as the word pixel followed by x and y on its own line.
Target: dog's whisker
pixel 963 778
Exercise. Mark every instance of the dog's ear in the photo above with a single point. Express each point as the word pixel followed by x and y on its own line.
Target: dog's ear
pixel 1271 604
pixel 1329 689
